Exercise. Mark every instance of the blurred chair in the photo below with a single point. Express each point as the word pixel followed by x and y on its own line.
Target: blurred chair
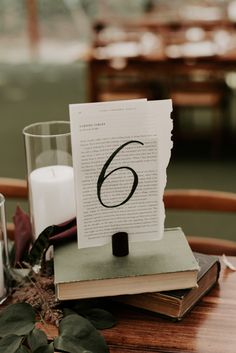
pixel 122 87
pixel 204 200
pixel 189 199
pixel 13 189
pixel 195 95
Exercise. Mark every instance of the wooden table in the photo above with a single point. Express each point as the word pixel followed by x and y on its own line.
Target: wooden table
pixel 209 328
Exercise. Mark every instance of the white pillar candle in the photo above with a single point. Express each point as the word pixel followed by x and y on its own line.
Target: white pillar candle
pixel 2 287
pixel 52 196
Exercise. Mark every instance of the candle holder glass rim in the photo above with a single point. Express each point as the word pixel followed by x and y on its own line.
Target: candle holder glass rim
pixel 3 228
pixel 2 199
pixel 26 130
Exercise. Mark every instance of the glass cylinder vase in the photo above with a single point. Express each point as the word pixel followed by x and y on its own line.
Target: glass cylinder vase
pixel 50 173
pixel 4 253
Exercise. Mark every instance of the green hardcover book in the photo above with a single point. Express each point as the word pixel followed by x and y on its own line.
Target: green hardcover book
pixel 177 303
pixel 151 266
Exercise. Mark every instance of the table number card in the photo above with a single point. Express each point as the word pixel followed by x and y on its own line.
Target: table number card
pixel 120 154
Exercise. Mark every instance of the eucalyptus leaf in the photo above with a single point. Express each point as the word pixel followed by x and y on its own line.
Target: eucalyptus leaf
pixel 67 311
pixel 10 343
pixel 18 319
pixel 69 345
pixel 100 318
pixel 81 333
pixel 36 339
pixel 82 305
pixel 48 348
pixel 22 349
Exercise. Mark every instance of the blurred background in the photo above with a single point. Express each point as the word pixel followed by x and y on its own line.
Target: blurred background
pixel 53 53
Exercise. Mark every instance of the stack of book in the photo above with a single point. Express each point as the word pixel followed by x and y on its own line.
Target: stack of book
pixel 163 276
pixel 177 303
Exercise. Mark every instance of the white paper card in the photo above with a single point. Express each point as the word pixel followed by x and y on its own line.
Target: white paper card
pixel 120 154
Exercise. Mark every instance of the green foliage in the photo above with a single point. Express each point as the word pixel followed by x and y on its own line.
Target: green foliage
pixel 18 319
pixel 10 343
pixel 48 348
pixel 76 333
pixel 22 349
pixel 100 318
pixel 36 339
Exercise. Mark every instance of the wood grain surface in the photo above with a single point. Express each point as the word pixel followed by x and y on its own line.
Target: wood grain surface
pixel 209 328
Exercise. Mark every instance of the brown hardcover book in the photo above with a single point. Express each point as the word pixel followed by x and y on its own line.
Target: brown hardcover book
pixel 177 303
